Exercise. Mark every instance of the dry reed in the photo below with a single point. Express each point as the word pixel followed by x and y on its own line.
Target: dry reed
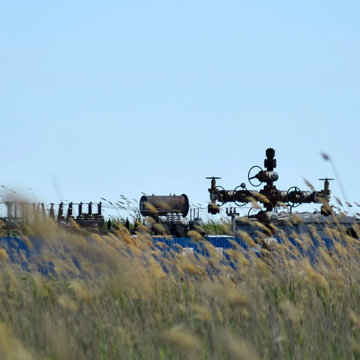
pixel 114 296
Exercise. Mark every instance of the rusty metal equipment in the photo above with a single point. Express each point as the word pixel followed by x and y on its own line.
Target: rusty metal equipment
pixel 160 205
pixel 168 214
pixel 269 196
pixel 21 213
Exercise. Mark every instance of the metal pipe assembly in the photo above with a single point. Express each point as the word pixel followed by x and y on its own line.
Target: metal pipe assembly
pixel 269 196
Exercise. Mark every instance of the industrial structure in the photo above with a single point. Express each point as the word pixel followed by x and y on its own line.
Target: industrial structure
pixel 167 214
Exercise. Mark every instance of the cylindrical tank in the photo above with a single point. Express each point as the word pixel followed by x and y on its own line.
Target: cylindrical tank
pixel 160 205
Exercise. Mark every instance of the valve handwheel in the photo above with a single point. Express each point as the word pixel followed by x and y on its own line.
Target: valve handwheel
pixel 292 190
pixel 251 212
pixel 239 188
pixel 252 177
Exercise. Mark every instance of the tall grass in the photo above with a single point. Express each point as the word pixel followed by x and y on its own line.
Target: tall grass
pixel 114 296
pixel 220 226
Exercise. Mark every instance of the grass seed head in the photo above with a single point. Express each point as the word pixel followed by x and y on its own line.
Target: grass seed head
pixel 182 341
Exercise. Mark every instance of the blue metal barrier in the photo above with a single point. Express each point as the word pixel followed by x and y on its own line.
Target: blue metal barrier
pixel 20 253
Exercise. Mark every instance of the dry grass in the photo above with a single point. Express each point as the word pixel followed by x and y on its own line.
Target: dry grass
pixel 115 297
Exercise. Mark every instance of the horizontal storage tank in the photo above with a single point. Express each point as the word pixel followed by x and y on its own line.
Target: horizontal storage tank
pixel 160 205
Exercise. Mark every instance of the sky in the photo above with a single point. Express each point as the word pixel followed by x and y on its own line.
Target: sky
pixel 120 98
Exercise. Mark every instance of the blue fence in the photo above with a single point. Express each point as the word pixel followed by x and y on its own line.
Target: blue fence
pixel 20 253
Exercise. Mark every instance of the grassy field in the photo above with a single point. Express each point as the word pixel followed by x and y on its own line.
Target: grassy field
pixel 116 297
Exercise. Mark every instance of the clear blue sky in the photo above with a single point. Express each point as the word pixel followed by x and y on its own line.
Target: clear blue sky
pixel 99 99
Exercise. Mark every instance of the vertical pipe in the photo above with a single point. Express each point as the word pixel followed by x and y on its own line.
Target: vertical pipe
pixel 80 209
pixel 43 210
pixel 69 212
pixel 9 208
pixel 60 212
pixel 52 212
